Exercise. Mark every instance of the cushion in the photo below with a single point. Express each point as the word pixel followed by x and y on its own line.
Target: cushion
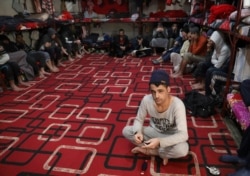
pixel 221 11
pixel 244 30
pixel 241 113
pixel 244 13
pixel 246 20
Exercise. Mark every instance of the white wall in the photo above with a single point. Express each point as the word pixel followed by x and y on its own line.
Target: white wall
pixel 6 8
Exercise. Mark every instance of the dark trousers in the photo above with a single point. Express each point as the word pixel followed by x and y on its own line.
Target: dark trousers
pixel 201 69
pixel 244 149
pixel 37 60
pixel 55 53
pixel 209 74
pixel 11 70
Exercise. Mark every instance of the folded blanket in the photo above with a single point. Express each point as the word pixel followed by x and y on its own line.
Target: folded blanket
pixel 221 11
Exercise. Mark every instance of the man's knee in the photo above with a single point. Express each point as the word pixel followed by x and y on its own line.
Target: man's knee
pixel 153 42
pixel 127 131
pixel 186 57
pixel 183 149
pixel 176 151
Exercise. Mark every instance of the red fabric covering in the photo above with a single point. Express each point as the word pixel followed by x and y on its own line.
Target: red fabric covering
pixel 66 15
pixel 169 14
pixel 221 11
pixel 100 9
pixel 28 25
pixel 118 8
pixel 168 2
pixel 107 7
pixel 225 25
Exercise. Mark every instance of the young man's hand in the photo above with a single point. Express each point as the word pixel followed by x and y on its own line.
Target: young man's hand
pixel 152 143
pixel 138 138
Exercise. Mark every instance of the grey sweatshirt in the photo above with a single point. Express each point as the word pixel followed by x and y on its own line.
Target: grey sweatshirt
pixel 172 122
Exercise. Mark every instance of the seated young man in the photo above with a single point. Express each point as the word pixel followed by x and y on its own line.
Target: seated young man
pixel 119 45
pixel 160 38
pixel 218 51
pixel 39 60
pixel 196 53
pixel 176 58
pixel 18 56
pixel 167 134
pixel 175 48
pixel 141 47
pixel 11 71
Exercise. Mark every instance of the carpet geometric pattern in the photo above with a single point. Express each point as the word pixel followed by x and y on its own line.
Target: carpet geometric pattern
pixel 71 123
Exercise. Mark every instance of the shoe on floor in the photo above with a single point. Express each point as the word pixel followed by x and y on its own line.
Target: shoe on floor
pixel 232 159
pixel 242 172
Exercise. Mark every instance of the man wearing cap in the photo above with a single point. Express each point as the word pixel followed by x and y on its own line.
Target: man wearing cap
pixel 166 135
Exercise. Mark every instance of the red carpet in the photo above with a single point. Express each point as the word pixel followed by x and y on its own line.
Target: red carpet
pixel 71 124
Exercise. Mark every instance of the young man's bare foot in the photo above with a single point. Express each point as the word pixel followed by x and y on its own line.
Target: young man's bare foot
pixel 202 92
pixel 41 75
pixel 61 64
pixel 176 75
pixel 139 150
pixel 16 88
pixel 197 86
pixel 24 83
pixel 71 59
pixel 78 56
pixel 165 161
pixel 42 71
pixel 54 69
pixel 46 73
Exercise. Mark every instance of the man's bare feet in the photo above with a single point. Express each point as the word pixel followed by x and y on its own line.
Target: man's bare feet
pixel 71 59
pixel 16 88
pixel 41 75
pixel 176 75
pixel 61 64
pixel 165 161
pixel 24 83
pixel 197 86
pixel 54 69
pixel 46 73
pixel 139 150
pixel 78 56
pixel 202 92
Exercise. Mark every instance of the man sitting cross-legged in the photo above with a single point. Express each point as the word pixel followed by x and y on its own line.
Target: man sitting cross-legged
pixel 167 134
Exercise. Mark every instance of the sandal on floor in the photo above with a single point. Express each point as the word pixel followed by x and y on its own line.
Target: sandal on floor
pixel 156 62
